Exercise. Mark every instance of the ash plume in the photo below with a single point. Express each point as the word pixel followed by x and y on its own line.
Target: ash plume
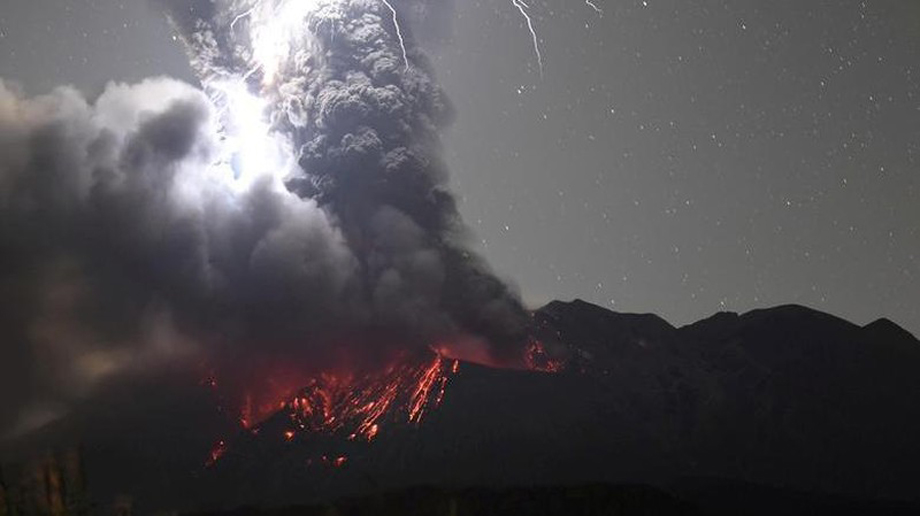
pixel 365 127
pixel 298 202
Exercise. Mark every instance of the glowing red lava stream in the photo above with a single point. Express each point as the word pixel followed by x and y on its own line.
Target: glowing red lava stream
pixel 359 406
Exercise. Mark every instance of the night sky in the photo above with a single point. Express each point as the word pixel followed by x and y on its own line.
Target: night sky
pixel 676 157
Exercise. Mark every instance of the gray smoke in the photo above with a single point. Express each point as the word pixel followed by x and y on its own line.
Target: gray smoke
pixel 119 250
pixel 367 130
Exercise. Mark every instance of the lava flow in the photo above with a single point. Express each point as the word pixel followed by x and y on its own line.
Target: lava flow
pixel 359 407
pixel 353 406
pixel 537 358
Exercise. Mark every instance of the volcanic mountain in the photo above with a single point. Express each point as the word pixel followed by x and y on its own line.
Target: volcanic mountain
pixel 786 397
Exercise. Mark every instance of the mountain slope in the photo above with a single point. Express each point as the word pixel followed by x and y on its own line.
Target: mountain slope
pixel 781 396
pixel 786 397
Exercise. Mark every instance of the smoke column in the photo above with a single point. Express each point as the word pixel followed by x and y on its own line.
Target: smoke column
pixel 295 207
pixel 348 87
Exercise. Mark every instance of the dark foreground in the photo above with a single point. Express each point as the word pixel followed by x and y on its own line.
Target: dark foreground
pixel 786 397
pixel 692 498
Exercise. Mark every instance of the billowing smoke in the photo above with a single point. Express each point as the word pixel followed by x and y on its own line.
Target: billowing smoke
pixel 294 207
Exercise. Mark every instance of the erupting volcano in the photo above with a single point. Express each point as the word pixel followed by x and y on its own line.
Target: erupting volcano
pixel 350 405
pixel 287 228
pixel 258 289
pixel 331 102
pixel 354 404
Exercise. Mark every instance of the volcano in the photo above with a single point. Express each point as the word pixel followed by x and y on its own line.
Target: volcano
pixel 786 397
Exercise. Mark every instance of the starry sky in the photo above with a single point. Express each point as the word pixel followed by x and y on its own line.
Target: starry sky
pixel 677 157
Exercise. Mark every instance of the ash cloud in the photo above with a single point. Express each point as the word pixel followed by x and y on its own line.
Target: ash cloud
pixel 122 252
pixel 119 253
pixel 367 131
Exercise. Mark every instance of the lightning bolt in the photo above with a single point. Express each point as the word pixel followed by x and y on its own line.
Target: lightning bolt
pixel 241 16
pixel 594 6
pixel 399 36
pixel 523 7
pixel 236 20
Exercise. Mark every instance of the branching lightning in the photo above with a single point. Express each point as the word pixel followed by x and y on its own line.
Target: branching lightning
pixel 523 7
pixel 399 36
pixel 594 6
pixel 273 28
pixel 242 15
pixel 272 34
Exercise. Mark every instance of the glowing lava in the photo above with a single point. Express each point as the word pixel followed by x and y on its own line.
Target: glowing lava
pixel 359 407
pixel 538 359
pixel 217 452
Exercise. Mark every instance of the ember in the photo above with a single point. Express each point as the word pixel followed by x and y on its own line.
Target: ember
pixel 216 453
pixel 358 407
pixel 538 359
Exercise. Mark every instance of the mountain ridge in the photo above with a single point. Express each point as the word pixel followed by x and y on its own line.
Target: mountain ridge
pixel 788 397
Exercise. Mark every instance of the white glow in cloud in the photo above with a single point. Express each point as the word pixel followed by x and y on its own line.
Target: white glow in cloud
pixel 275 28
pixel 249 149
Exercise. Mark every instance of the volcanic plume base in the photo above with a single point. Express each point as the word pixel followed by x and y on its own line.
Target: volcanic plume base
pixel 338 405
pixel 352 402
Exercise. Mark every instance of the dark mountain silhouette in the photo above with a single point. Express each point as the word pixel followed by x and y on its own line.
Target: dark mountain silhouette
pixel 586 500
pixel 789 399
pixel 714 499
pixel 786 396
